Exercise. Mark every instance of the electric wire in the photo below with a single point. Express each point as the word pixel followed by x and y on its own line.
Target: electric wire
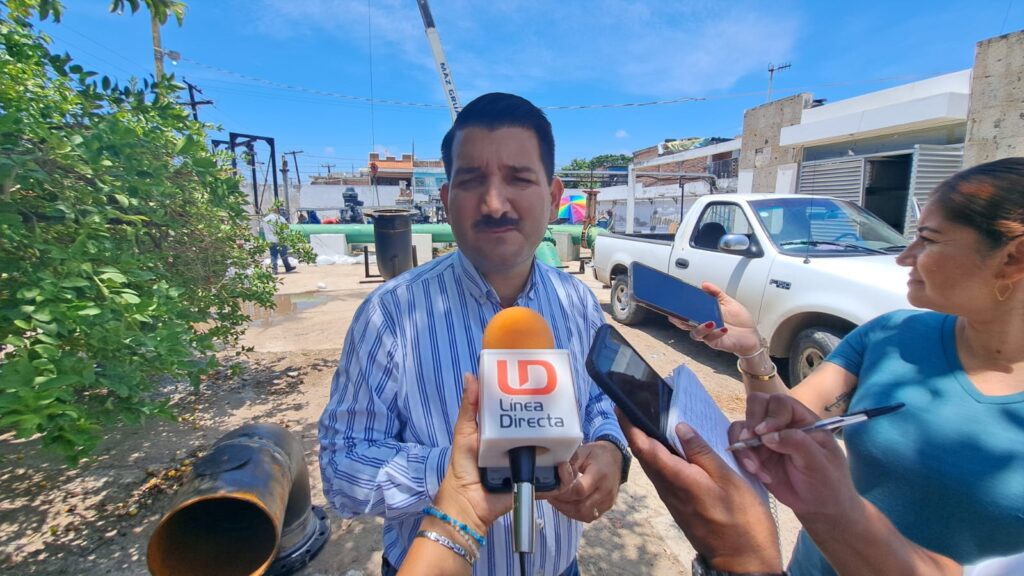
pixel 372 100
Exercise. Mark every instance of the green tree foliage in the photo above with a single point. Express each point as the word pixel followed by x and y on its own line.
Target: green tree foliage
pixel 125 251
pixel 599 162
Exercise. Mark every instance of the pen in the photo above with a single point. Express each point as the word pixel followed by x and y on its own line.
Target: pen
pixel 829 423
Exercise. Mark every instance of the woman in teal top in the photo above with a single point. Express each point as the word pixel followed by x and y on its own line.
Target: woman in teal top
pixel 948 470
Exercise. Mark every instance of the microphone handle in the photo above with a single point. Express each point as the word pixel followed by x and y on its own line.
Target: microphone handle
pixel 523 461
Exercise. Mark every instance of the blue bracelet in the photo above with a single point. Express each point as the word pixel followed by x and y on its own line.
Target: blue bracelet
pixel 460 526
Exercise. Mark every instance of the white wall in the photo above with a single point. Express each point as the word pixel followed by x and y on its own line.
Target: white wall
pixel 956 82
pixel 937 101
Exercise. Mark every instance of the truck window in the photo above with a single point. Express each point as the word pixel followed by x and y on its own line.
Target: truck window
pixel 717 220
pixel 824 226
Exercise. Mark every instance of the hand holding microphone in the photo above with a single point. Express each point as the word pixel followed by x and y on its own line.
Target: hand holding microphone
pixel 529 418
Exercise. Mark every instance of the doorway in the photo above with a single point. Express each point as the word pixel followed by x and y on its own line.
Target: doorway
pixel 887 187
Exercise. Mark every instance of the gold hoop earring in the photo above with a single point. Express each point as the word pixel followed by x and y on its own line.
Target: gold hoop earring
pixel 1003 295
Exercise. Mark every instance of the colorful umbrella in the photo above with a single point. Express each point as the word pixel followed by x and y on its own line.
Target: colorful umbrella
pixel 573 208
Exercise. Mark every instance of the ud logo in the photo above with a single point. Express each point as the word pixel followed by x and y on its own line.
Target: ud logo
pixel 543 380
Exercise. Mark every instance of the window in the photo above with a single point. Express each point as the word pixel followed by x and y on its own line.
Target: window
pixel 717 221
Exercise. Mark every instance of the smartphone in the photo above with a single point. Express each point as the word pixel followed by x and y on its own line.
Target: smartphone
pixel 639 392
pixel 671 296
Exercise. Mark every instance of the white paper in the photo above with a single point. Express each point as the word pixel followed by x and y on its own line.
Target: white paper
pixel 692 404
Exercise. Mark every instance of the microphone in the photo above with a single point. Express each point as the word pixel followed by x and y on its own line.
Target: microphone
pixel 529 417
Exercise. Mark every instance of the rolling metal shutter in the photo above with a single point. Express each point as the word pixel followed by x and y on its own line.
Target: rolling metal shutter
pixel 837 178
pixel 931 165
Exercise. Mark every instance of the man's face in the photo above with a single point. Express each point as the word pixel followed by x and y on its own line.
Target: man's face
pixel 499 201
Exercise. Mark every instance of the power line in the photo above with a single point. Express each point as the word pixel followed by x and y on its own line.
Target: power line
pixel 104 46
pixel 422 105
pixel 79 49
pixel 1009 6
pixel 315 91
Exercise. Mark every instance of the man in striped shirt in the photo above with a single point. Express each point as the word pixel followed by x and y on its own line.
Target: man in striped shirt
pixel 385 435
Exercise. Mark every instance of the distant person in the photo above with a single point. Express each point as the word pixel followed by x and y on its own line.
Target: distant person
pixel 386 432
pixel 948 470
pixel 302 218
pixel 270 222
pixel 313 217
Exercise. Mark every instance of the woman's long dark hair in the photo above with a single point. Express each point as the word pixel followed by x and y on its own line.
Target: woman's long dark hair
pixel 988 198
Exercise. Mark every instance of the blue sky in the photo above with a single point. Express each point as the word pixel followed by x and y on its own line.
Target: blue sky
pixel 282 68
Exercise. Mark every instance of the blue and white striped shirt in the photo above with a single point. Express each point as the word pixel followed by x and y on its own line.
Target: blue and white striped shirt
pixel 386 433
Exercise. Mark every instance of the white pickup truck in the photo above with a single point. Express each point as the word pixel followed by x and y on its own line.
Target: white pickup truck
pixel 809 268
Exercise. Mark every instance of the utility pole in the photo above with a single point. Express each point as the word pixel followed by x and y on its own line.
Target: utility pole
pixel 772 69
pixel 328 166
pixel 295 158
pixel 158 50
pixel 284 174
pixel 251 161
pixel 192 102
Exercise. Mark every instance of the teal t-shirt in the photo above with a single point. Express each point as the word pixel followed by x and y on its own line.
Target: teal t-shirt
pixel 948 470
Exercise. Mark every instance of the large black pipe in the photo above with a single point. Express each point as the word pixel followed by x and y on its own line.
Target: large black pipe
pixel 392 235
pixel 245 510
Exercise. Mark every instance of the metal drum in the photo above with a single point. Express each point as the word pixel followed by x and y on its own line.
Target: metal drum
pixel 392 234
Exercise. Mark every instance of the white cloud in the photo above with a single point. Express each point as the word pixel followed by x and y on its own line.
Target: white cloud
pixel 329 150
pixel 662 48
pixel 621 133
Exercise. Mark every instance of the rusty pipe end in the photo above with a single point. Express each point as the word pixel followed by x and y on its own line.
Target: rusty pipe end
pixel 220 535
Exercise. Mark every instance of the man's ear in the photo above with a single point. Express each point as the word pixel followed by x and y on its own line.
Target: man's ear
pixel 444 197
pixel 557 188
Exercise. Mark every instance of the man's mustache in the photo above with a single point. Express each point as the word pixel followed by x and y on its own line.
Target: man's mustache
pixel 491 223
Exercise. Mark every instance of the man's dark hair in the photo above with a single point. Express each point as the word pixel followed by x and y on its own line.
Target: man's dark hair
pixel 499 110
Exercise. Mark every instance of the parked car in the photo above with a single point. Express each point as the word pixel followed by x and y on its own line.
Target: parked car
pixel 809 268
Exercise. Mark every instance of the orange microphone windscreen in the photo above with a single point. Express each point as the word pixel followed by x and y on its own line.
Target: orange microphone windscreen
pixel 518 327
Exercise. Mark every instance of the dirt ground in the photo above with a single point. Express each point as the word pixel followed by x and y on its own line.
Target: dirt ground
pixel 97 518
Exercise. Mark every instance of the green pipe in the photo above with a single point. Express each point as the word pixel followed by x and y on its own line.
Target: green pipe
pixel 547 254
pixel 363 233
pixel 574 231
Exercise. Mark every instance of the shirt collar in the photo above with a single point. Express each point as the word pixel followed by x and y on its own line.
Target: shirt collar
pixel 481 289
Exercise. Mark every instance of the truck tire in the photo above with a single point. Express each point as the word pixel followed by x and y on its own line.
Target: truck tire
pixel 809 349
pixel 625 310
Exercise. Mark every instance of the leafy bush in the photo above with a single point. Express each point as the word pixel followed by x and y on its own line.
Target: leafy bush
pixel 125 251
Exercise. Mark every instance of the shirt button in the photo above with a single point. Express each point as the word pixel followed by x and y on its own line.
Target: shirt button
pixel 540 524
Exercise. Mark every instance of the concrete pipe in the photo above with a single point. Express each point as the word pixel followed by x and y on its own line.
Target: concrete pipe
pixel 245 510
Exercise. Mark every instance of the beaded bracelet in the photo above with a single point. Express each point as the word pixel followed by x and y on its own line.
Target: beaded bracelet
pixel 435 537
pixel 469 543
pixel 461 526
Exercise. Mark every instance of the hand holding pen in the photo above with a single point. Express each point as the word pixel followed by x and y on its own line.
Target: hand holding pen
pixel 804 470
pixel 827 424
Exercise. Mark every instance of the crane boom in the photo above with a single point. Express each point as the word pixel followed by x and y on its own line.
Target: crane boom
pixel 443 70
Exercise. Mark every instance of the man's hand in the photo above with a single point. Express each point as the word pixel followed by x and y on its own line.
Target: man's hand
pixel 721 515
pixel 806 471
pixel 593 491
